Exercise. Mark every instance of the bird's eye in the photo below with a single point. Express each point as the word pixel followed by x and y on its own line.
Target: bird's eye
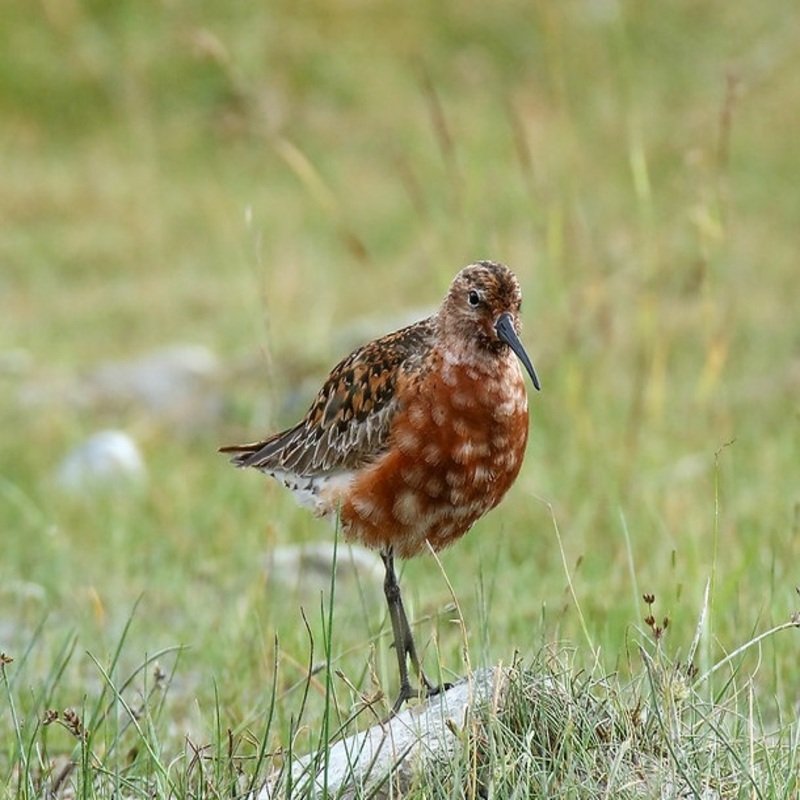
pixel 474 298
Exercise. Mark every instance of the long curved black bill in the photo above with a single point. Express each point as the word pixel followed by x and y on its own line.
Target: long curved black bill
pixel 505 331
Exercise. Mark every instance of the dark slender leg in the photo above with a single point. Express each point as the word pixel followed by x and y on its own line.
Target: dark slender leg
pixel 403 640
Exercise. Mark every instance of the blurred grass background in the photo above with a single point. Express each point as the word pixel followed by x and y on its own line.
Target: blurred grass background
pixel 274 181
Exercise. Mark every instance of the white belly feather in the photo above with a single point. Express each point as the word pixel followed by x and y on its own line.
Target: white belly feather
pixel 321 493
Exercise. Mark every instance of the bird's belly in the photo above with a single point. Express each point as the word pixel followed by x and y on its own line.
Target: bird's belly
pixel 321 493
pixel 455 450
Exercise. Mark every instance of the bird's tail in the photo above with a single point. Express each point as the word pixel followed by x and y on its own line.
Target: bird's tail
pixel 266 454
pixel 241 453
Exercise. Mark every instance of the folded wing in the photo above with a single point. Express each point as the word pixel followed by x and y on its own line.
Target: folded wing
pixel 350 420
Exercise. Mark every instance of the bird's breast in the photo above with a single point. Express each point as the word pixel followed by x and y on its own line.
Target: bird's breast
pixel 456 446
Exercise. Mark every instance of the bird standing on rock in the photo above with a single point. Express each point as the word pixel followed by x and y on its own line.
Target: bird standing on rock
pixel 414 436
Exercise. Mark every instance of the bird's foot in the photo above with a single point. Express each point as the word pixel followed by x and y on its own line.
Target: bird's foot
pixel 432 691
pixel 426 691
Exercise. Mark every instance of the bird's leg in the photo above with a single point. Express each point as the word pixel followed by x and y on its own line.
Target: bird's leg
pixel 403 639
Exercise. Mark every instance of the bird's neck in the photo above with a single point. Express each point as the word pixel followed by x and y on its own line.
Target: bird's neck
pixel 471 354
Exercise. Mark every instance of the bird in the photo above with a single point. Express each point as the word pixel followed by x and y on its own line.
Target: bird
pixel 414 436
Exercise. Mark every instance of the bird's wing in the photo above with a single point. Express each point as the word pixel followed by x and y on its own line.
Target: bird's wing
pixel 349 421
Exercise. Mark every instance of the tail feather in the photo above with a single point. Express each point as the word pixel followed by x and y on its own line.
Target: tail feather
pixel 264 454
pixel 241 452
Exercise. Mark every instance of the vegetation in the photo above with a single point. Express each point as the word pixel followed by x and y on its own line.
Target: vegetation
pixel 279 181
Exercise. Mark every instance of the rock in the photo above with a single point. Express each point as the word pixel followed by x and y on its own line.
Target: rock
pixel 15 362
pixel 310 564
pixel 176 383
pixel 383 761
pixel 106 459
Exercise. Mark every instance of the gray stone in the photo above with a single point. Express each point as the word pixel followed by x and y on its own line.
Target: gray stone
pixel 397 749
pixel 15 362
pixel 106 459
pixel 309 565
pixel 178 383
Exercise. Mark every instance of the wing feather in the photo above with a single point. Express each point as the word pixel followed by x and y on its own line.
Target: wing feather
pixel 349 422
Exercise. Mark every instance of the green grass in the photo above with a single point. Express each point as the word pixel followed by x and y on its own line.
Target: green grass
pixel 258 180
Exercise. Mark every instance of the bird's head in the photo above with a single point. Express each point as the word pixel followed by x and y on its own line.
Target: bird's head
pixel 481 310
